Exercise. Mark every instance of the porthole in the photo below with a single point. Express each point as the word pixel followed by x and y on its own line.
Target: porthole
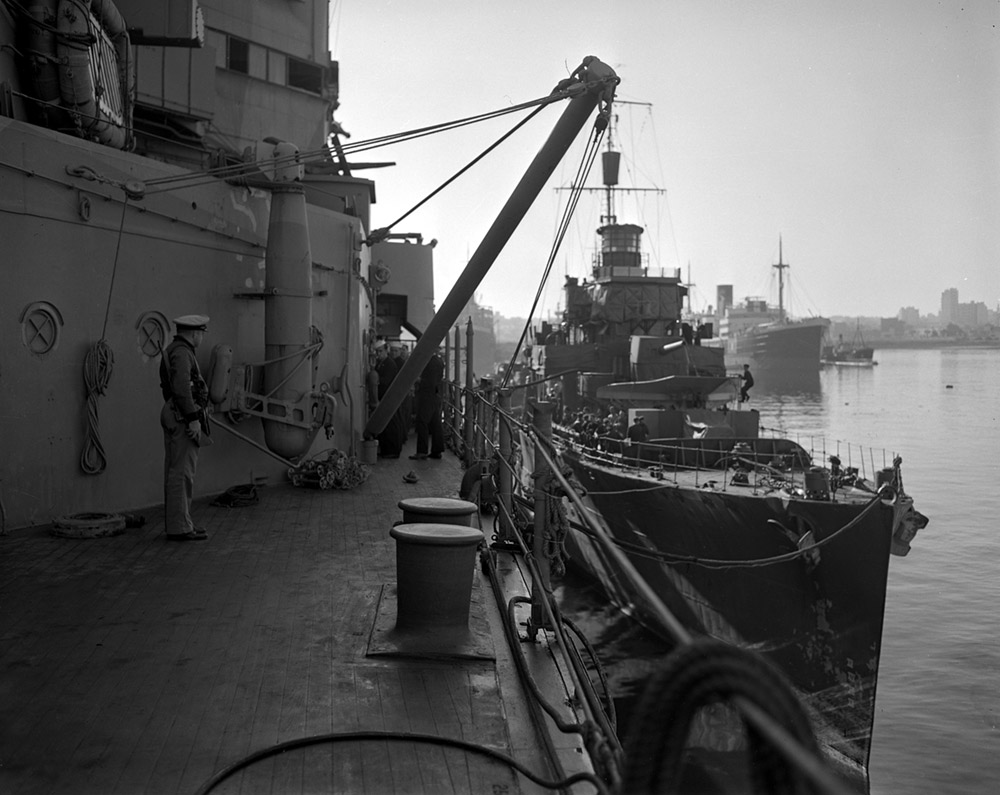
pixel 152 329
pixel 41 323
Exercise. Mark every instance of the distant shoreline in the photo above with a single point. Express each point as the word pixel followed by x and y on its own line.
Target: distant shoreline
pixel 934 343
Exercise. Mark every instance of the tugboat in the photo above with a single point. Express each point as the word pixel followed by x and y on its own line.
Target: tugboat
pixel 855 354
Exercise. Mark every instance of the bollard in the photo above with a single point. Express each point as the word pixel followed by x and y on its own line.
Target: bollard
pixel 438 510
pixel 434 570
pixel 369 451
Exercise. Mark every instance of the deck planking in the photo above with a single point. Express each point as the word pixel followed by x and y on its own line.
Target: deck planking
pixel 133 665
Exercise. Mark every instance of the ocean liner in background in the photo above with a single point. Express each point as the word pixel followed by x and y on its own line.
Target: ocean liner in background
pixel 762 335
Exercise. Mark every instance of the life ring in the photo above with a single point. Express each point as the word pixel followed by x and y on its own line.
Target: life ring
pixel 101 113
pixel 88 525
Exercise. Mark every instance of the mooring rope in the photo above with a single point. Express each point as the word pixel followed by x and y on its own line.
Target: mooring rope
pixel 97 369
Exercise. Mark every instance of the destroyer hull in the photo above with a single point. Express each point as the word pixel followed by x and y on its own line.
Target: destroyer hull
pixel 817 615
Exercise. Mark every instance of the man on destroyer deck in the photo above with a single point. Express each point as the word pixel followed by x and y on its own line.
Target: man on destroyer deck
pixel 185 396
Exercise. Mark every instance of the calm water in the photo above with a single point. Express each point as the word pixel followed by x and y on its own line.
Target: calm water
pixel 938 699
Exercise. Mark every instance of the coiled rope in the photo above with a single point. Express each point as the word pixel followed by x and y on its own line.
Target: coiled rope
pixel 97 367
pixel 696 675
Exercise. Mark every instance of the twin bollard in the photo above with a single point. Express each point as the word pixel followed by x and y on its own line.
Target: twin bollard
pixel 435 560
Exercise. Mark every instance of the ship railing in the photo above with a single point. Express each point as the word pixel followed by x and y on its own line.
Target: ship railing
pixel 767 463
pixel 849 462
pixel 483 417
pixel 487 418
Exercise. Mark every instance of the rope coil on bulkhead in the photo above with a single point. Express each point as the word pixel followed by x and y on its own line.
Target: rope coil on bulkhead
pixel 97 368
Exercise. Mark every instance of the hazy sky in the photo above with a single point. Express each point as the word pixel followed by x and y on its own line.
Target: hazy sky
pixel 865 133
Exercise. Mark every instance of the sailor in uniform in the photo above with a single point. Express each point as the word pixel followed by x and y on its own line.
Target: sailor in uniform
pixel 185 425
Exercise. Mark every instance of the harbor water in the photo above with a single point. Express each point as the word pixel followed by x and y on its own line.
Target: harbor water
pixel 938 698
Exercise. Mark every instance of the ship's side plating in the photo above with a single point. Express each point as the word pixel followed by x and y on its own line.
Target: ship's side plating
pixel 103 246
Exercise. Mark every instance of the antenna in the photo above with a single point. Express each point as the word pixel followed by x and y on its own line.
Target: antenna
pixel 689 284
pixel 781 265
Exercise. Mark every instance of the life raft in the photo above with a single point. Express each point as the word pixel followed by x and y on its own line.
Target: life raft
pixel 83 72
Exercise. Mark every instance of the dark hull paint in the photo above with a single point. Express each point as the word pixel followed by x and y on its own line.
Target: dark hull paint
pixel 792 348
pixel 821 623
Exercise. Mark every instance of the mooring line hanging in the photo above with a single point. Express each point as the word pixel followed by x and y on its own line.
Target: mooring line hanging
pixel 97 369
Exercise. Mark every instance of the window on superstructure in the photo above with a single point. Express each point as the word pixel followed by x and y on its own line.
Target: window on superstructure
pixel 305 75
pixel 257 62
pixel 276 67
pixel 238 55
pixel 217 41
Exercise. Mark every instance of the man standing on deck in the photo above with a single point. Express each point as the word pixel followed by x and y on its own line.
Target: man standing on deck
pixel 390 440
pixel 637 434
pixel 747 379
pixel 400 353
pixel 428 409
pixel 185 425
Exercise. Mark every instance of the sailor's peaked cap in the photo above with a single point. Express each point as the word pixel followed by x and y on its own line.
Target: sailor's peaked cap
pixel 191 323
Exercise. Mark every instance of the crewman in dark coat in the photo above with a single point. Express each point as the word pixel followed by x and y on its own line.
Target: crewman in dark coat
pixel 184 423
pixel 390 440
pixel 747 378
pixel 400 353
pixel 429 399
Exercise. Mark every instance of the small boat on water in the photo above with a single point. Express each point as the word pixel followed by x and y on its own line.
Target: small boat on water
pixel 855 354
pixel 754 540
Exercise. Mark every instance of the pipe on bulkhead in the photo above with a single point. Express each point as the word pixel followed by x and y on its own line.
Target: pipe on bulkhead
pixel 288 303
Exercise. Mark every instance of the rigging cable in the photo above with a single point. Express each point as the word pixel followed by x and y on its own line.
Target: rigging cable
pixel 583 171
pixel 382 232
pixel 323 154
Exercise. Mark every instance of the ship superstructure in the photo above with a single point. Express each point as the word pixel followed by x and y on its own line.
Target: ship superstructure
pixel 162 159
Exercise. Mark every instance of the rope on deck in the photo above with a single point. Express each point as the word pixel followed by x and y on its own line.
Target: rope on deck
pixel 412 737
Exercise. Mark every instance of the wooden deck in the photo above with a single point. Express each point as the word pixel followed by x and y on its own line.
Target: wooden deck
pixel 132 665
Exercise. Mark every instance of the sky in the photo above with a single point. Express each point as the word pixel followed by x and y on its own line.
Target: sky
pixel 865 135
